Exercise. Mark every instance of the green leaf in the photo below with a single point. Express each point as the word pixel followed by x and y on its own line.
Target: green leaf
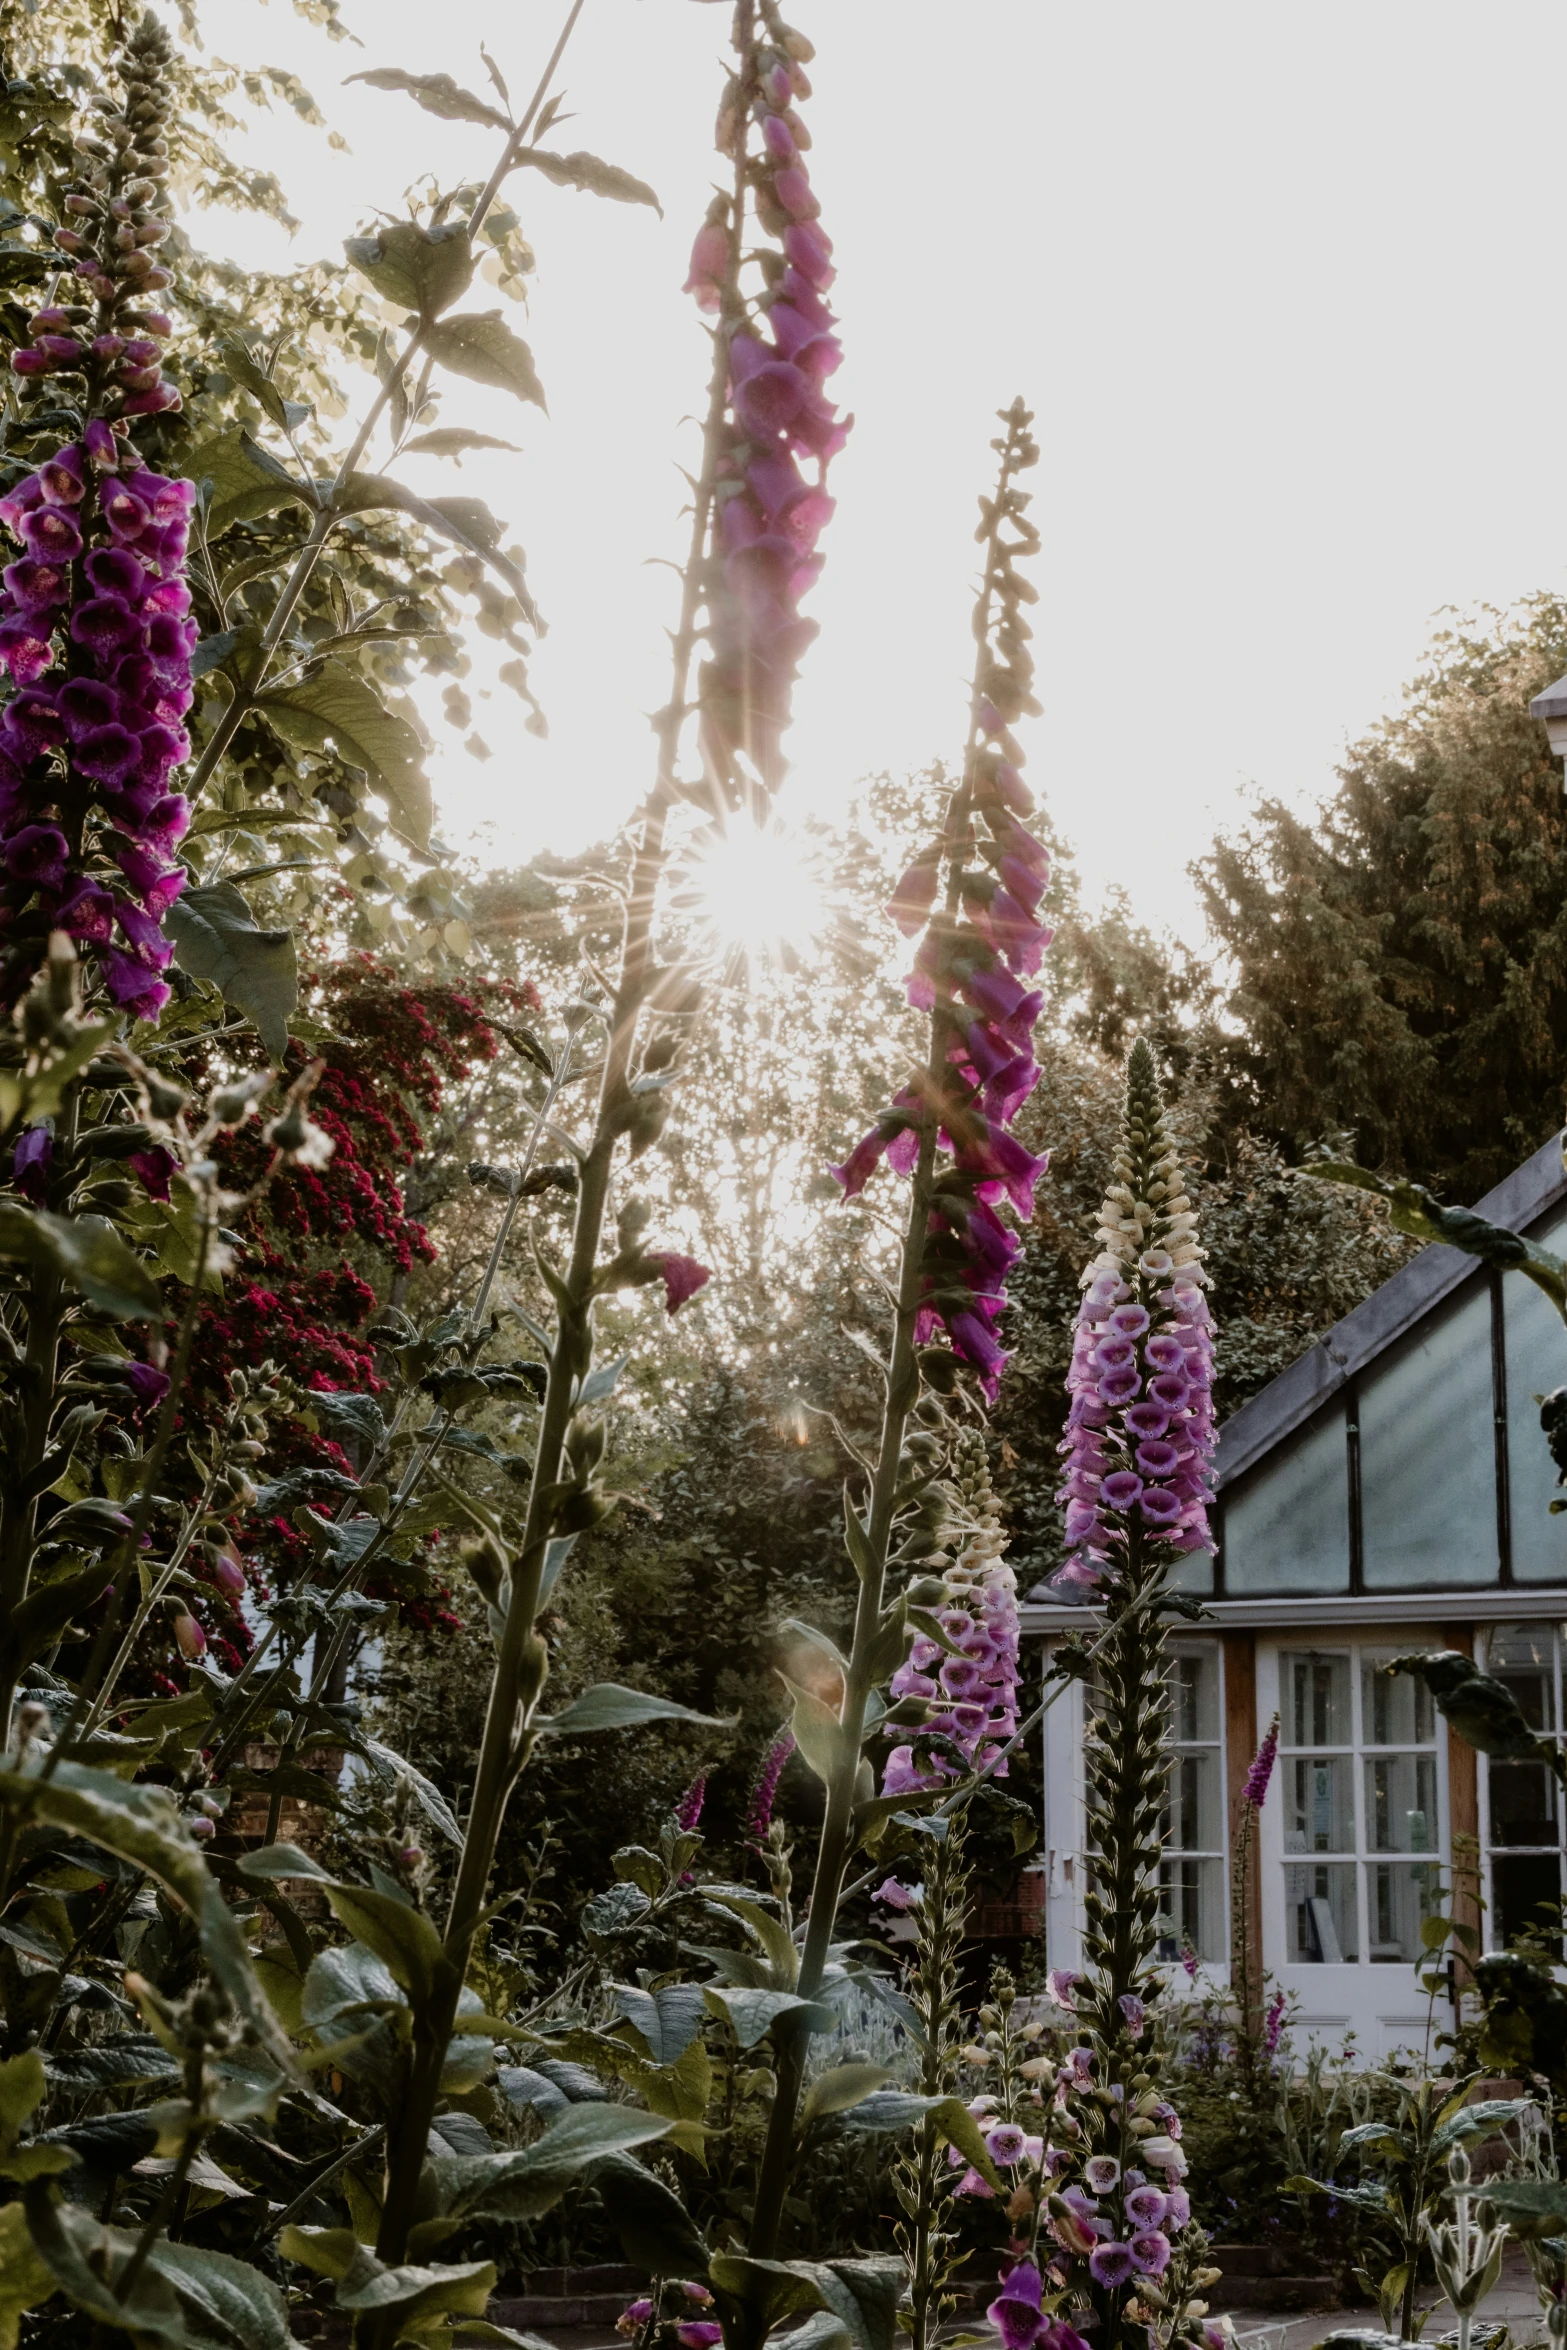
pixel 433 1804
pixel 337 706
pixel 283 1860
pixel 588 173
pixel 818 1733
pixel 422 269
pixel 863 2295
pixel 216 937
pixel 481 345
pixel 46 1611
pixel 22 2084
pixel 87 1253
pixel 186 2297
pixel 25 2279
pixel 656 2231
pixel 247 482
pixel 954 2122
pixel 239 363
pixel 607 1706
pixel 752 2014
pixel 402 1938
pixel 522 2185
pixel 770 1932
pixel 667 2020
pixel 1414 1210
pixel 844 2085
pixel 139 1824
pixel 766 2291
pixel 467 522
pixel 418 2293
pixel 437 93
pixel 454 440
pixel 111 2064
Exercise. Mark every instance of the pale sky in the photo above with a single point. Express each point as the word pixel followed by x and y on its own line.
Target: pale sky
pixel 1282 284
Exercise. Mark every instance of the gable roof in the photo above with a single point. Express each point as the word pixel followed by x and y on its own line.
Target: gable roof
pixel 1526 1195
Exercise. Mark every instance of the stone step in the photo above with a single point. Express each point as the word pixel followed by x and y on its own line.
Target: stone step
pixel 1254 2292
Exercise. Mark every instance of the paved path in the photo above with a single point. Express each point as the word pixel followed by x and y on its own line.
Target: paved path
pixel 1513 2303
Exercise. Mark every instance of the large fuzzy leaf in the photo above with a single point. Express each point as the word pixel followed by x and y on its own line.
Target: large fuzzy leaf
pixel 467 522
pixel 437 93
pixel 216 937
pixel 423 269
pixel 89 1256
pixel 246 482
pixel 337 706
pixel 480 345
pixel 591 174
pixel 140 1825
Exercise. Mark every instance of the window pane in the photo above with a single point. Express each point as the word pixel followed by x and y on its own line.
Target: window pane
pixel 1401 1803
pixel 1319 1803
pixel 1194 1821
pixel 1319 1915
pixel 1521 1655
pixel 1523 1804
pixel 1194 1696
pixel 1286 1526
pixel 1395 1709
pixel 1536 1362
pixel 1399 1894
pixel 1314 1684
pixel 1192 1893
pixel 1520 1883
pixel 1428 1457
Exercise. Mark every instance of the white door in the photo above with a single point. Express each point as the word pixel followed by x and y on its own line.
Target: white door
pixel 1354 1837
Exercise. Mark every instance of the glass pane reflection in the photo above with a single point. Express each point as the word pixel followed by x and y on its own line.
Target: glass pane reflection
pixel 1319 1803
pixel 1319 1915
pixel 1401 1803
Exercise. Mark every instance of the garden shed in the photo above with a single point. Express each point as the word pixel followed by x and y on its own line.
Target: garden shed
pixel 1390 1490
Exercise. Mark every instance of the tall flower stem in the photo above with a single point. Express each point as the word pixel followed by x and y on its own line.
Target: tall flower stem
pixel 837 1827
pixel 518 1679
pixel 922 2178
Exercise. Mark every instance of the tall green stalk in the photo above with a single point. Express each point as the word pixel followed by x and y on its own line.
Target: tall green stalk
pixel 922 2179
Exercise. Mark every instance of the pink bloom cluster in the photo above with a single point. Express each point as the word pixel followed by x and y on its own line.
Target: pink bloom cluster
pixel 1019 2318
pixel 971 973
pixel 765 1793
pixel 93 732
pixel 971 1686
pixel 1255 1791
pixel 770 513
pixel 1140 1430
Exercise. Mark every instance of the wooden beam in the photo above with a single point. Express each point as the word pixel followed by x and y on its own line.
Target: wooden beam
pixel 1240 1744
pixel 1463 1819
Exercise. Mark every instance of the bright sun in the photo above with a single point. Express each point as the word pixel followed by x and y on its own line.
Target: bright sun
pixel 754 887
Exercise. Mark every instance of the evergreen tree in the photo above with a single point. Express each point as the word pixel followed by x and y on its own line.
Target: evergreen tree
pixel 1400 959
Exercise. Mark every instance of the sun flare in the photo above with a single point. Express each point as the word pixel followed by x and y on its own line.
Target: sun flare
pixel 755 888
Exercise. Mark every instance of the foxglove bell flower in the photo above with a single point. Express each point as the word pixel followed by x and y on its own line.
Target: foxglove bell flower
pixel 1140 1428
pixel 1255 1790
pixel 95 626
pixel 970 971
pixel 765 1793
pixel 973 1694
pixel 782 430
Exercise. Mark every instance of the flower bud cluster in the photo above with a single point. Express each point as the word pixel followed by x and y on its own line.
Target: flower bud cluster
pixel 972 1693
pixel 95 625
pixel 971 969
pixel 782 349
pixel 114 227
pixel 1140 1431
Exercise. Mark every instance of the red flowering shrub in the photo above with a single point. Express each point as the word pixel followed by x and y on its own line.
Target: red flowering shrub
pixel 322 1248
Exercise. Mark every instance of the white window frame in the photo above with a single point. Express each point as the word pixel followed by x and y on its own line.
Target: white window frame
pixel 1358 1645
pixel 1066 1822
pixel 1558 1736
pixel 1220 1852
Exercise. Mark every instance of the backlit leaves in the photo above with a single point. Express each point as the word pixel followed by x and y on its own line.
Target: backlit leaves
pixel 480 345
